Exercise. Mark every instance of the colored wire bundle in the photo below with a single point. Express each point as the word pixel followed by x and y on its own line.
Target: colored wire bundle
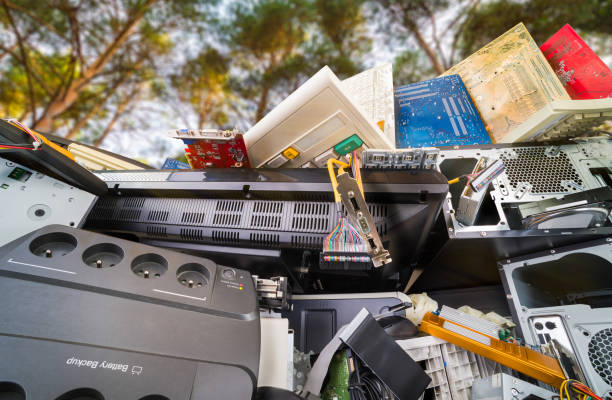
pixel 344 238
pixel 584 392
pixel 35 145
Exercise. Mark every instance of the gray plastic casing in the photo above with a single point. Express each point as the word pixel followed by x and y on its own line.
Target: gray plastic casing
pixel 66 325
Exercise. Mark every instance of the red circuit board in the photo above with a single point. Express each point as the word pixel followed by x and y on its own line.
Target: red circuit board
pixel 583 74
pixel 217 153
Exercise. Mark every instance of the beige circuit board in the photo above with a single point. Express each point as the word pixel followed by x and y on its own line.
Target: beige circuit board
pixel 509 80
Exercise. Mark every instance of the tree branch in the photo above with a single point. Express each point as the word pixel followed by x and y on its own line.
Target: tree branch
pixel 435 62
pixel 24 56
pixel 459 30
pixel 119 40
pixel 99 104
pixel 35 76
pixel 34 17
pixel 434 35
pixel 121 108
pixel 59 104
pixel 7 50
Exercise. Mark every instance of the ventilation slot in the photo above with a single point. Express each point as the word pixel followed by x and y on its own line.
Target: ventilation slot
pixel 544 173
pixel 106 202
pixel 157 231
pixel 158 216
pixel 129 215
pixel 378 210
pixel 225 237
pixel 134 202
pixel 270 207
pixel 381 228
pixel 265 221
pixel 311 208
pixel 231 206
pixel 192 218
pixel 265 239
pixel 306 242
pixel 310 224
pixel 102 213
pixel 191 234
pixel 227 219
pixel 311 217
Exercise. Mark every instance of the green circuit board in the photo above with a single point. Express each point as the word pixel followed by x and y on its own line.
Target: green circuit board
pixel 338 378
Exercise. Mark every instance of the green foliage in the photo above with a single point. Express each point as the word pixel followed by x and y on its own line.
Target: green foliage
pixel 541 17
pixel 344 36
pixel 409 67
pixel 74 62
pixel 85 68
pixel 203 83
pixel 277 44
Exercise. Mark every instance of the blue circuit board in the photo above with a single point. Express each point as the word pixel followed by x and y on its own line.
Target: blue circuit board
pixel 171 163
pixel 437 112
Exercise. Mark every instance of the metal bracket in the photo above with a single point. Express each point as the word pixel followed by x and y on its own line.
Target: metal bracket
pixel 358 212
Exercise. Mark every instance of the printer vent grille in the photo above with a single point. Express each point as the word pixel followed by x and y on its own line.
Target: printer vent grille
pixel 227 237
pixel 193 217
pixel 265 239
pixel 158 216
pixel 306 242
pixel 157 231
pixel 191 234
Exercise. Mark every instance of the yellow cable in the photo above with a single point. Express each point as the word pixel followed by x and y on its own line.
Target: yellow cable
pixel 57 148
pixel 355 163
pixel 332 176
pixel 453 181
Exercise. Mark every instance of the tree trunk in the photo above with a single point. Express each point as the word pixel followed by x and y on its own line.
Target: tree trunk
pixel 81 123
pixel 65 100
pixel 204 110
pixel 262 103
pixel 96 108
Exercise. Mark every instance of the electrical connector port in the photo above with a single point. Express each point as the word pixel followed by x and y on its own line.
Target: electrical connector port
pixel 82 394
pixel 344 261
pixel 365 228
pixel 149 265
pixel 193 275
pixel 53 244
pixel 10 390
pixel 103 255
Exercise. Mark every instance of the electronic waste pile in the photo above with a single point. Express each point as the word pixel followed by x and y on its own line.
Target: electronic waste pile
pixel 445 239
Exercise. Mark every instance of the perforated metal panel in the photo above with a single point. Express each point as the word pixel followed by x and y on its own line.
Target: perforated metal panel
pixel 227 222
pixel 545 173
pixel 600 354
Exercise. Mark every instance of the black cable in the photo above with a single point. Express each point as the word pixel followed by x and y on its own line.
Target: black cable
pixel 365 385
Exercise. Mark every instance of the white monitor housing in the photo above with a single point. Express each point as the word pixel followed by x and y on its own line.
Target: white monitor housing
pixel 316 122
